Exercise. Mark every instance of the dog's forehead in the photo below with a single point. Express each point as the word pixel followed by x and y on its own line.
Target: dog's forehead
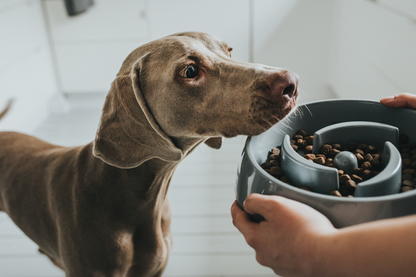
pixel 177 47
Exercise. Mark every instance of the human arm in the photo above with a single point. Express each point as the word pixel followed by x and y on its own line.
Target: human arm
pixel 296 240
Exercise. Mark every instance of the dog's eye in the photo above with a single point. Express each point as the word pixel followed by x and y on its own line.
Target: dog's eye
pixel 191 72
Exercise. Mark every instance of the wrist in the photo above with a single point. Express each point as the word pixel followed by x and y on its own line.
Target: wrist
pixel 324 262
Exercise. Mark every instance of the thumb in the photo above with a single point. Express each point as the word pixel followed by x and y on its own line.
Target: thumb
pixel 264 205
pixel 404 100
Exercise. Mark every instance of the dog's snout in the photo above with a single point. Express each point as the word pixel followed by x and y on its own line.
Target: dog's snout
pixel 284 83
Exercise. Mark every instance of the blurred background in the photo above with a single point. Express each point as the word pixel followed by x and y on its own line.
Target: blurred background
pixel 58 68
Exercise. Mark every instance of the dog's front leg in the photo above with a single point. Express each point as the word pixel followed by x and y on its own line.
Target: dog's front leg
pixel 101 254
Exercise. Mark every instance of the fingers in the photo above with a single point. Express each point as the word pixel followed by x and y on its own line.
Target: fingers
pixel 241 220
pixel 404 100
pixel 264 205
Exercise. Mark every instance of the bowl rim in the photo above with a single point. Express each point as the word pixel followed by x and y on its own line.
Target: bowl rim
pixel 249 152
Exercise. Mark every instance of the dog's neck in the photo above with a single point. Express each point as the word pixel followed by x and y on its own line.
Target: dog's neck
pixel 163 170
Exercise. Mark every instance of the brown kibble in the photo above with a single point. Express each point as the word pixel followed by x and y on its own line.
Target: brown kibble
pixel 334 152
pixel 329 161
pixel 302 133
pixel 359 157
pixel 309 156
pixel 356 178
pixel 375 163
pixel 336 146
pixel 275 151
pixel 407 177
pixel 352 146
pixel 265 165
pixel 404 150
pixel 285 180
pixel 350 184
pixel 343 178
pixel 308 149
pixel 366 165
pixel 410 171
pixel 362 146
pixel 274 157
pixel 358 171
pixel 406 189
pixel 292 141
pixel 276 171
pixel 335 193
pixel 406 162
pixel 331 164
pixel 297 137
pixel 407 183
pixel 359 151
pixel 366 174
pixel 320 155
pixel 295 147
pixel 405 155
pixel 326 149
pixel 305 188
pixel 319 160
pixel 309 140
pixel 299 142
pixel 274 163
pixel 403 139
pixel 368 157
pixel 350 196
pixel 371 149
pixel 340 172
pixel 376 156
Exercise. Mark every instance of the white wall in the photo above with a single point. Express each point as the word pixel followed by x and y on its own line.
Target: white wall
pixel 26 71
pixel 89 48
pixel 375 50
pixel 293 34
pixel 228 20
pixel 296 34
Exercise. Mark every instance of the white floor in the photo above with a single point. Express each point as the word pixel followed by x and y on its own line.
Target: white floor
pixel 205 241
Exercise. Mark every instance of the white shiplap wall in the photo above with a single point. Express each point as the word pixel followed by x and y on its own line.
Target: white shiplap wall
pixel 26 71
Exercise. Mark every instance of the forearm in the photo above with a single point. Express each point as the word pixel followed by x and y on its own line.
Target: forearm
pixel 379 248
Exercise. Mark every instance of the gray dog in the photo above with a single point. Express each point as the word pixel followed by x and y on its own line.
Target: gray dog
pixel 101 209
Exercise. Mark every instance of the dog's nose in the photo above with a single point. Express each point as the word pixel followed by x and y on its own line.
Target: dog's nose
pixel 284 83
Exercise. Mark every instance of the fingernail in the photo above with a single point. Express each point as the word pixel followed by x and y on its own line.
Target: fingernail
pixel 387 99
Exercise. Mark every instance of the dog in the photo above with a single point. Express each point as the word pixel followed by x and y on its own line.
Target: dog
pixel 101 209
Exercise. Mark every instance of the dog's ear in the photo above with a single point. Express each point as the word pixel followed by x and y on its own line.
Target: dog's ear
pixel 214 142
pixel 128 135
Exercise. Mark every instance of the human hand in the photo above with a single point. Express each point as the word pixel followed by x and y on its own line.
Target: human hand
pixel 289 238
pixel 404 100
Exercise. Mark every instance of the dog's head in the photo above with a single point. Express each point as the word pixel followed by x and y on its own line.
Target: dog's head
pixel 186 87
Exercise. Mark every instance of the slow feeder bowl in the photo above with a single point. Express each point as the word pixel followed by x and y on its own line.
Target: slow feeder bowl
pixel 340 121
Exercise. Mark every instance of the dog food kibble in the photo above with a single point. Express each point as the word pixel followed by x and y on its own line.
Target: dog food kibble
pixel 335 193
pixel 368 158
pixel 308 149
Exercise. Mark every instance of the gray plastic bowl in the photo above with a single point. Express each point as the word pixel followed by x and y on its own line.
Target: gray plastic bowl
pixel 342 212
